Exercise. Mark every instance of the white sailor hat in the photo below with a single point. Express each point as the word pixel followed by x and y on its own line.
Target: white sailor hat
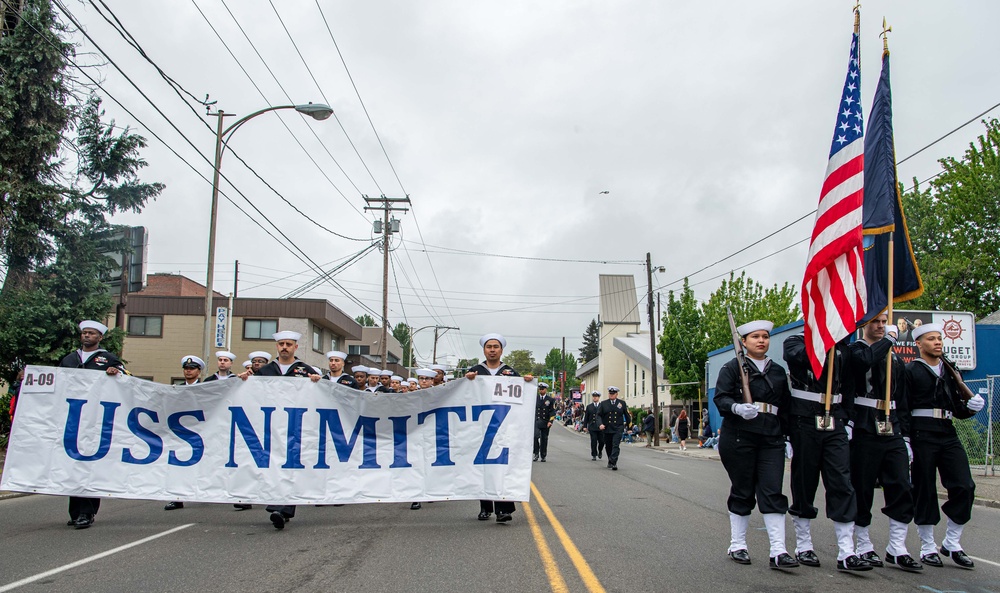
pixel 90 324
pixel 260 354
pixel 411 380
pixel 359 368
pixel 497 337
pixel 927 328
pixel 192 360
pixel 543 385
pixel 385 373
pixel 438 367
pixel 397 378
pixel 287 335
pixel 247 364
pixel 336 354
pixel 426 373
pixel 612 389
pixel 748 328
pixel 891 329
pixel 225 354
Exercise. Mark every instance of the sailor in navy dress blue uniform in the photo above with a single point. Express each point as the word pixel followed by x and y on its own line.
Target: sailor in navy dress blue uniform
pixel 878 458
pixel 752 443
pixel 493 345
pixel 933 397
pixel 545 414
pixel 90 356
pixel 336 361
pixel 612 418
pixel 225 361
pixel 593 426
pixel 191 367
pixel 285 365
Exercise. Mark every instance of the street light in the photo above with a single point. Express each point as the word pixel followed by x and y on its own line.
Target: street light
pixel 317 111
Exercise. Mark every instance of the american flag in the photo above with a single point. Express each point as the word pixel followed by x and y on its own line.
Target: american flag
pixel 833 290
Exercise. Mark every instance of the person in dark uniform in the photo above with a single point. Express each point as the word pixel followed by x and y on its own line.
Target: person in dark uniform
pixel 285 365
pixel 373 380
pixel 258 358
pixel 879 458
pixel 493 345
pixel 384 381
pixel 82 510
pixel 612 418
pixel 933 397
pixel 545 414
pixel 335 360
pixel 425 378
pixel 360 373
pixel 821 452
pixel 225 361
pixel 440 370
pixel 191 368
pixel 752 447
pixel 593 426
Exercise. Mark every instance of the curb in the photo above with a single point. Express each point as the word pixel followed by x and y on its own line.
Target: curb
pixel 10 495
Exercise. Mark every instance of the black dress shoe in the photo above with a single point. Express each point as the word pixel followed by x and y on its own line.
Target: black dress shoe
pixel 932 559
pixel 872 558
pixel 484 515
pixel 614 467
pixel 278 520
pixel 415 506
pixel 243 507
pixel 543 460
pixel 853 562
pixel 534 457
pixel 71 523
pixel 503 517
pixel 959 557
pixel 807 558
pixel 592 458
pixel 83 521
pixel 599 455
pixel 783 560
pixel 173 506
pixel 905 561
pixel 740 556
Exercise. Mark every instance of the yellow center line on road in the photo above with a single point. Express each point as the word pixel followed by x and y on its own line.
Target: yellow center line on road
pixel 586 574
pixel 556 580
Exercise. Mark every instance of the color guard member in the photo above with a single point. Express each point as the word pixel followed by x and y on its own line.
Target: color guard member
pixel 612 418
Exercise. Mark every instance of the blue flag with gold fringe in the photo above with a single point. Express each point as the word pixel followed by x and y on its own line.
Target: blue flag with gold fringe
pixel 883 211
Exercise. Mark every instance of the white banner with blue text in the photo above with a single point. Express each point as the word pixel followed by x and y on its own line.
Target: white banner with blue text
pixel 269 440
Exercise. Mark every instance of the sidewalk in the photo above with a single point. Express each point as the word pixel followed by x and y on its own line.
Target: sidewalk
pixel 987 487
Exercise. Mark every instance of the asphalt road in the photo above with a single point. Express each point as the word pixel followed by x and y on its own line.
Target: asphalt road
pixel 658 524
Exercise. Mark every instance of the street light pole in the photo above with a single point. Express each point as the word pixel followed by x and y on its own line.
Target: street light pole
pixel 652 349
pixel 317 111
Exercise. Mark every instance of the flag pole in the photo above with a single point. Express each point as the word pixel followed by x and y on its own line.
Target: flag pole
pixel 885 428
pixel 826 423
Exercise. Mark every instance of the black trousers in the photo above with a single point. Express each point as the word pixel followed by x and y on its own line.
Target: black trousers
pixel 541 441
pixel 79 505
pixel 287 510
pixel 501 506
pixel 612 441
pixel 881 459
pixel 826 453
pixel 935 453
pixel 596 442
pixel 756 467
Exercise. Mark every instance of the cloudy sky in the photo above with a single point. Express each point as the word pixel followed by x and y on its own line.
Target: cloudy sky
pixel 709 124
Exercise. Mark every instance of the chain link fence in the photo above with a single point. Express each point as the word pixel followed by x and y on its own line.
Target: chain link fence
pixel 978 434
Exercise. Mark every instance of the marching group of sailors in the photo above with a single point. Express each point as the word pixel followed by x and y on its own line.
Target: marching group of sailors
pixel 90 355
pixel 854 444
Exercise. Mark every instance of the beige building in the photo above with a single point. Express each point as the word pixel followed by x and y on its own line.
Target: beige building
pixel 165 321
pixel 367 351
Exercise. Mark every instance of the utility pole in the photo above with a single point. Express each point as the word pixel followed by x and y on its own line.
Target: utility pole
pixel 434 356
pixel 659 315
pixel 652 349
pixel 236 279
pixel 562 366
pixel 385 226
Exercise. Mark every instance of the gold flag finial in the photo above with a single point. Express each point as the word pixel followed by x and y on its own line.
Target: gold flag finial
pixel 857 16
pixel 885 36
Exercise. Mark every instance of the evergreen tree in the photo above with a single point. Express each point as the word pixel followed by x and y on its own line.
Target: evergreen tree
pixel 402 333
pixel 365 320
pixel 591 342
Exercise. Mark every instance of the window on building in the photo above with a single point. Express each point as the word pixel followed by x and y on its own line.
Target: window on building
pixel 644 381
pixel 626 378
pixel 145 326
pixel 259 329
pixel 359 350
pixel 635 378
pixel 317 339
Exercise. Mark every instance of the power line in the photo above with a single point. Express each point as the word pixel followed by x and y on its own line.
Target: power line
pixel 948 134
pixel 455 251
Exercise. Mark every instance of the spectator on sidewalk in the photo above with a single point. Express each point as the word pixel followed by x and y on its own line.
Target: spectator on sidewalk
pixel 649 427
pixel 681 429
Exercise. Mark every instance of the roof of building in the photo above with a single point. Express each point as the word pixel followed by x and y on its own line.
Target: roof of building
pixel 618 302
pixel 636 347
pixel 173 285
pixel 991 319
pixel 588 367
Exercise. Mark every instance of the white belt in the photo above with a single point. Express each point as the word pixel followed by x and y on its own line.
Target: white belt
pixel 878 404
pixel 932 413
pixel 766 408
pixel 819 398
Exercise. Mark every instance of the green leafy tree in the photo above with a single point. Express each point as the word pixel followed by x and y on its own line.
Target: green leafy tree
pixel 954 226
pixel 464 364
pixel 683 342
pixel 555 361
pixel 365 320
pixel 591 342
pixel 402 333
pixel 520 360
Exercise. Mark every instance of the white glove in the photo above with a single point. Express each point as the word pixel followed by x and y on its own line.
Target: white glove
pixel 746 411
pixel 850 431
pixel 788 450
pixel 909 451
pixel 976 403
pixel 890 332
